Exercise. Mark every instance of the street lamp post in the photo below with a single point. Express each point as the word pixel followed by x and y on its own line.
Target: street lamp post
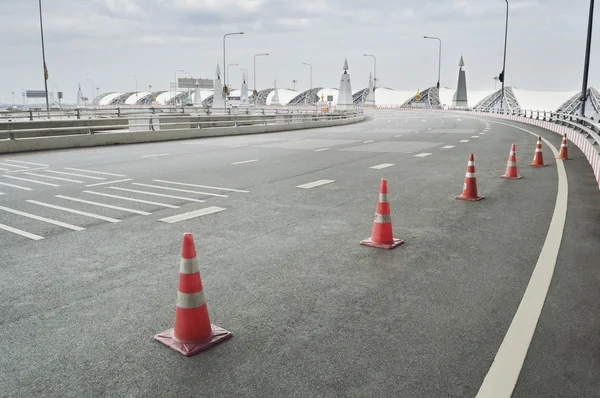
pixel 224 36
pixel 439 58
pixel 375 69
pixel 44 58
pixel 586 66
pixel 294 81
pixel 136 88
pixel 257 55
pixel 13 96
pixel 503 74
pixel 310 92
pixel 92 93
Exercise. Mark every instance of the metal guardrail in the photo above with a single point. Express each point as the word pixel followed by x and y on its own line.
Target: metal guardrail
pixel 155 122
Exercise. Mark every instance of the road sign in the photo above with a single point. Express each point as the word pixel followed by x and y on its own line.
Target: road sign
pixel 35 94
pixel 193 83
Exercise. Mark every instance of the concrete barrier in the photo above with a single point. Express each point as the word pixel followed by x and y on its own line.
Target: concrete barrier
pixel 129 137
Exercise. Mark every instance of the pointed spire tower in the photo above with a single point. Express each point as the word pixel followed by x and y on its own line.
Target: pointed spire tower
pixel 79 96
pixel 275 97
pixel 345 102
pixel 244 101
pixel 218 100
pixel 370 101
pixel 460 96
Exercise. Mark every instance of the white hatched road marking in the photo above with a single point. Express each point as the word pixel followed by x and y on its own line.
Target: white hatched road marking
pixel 448 147
pixel 179 190
pixel 192 214
pixel 368 142
pixel 158 194
pixel 144 213
pixel 202 186
pixel 75 175
pixel 422 155
pixel 155 156
pixel 21 232
pixel 14 165
pixel 315 184
pixel 95 172
pixel 21 171
pixel 44 219
pixel 382 166
pixel 238 146
pixel 82 213
pixel 464 141
pixel 54 178
pixel 246 161
pixel 3 169
pixel 31 163
pixel 108 182
pixel 321 150
pixel 34 181
pixel 481 133
pixel 474 136
pixel 16 186
pixel 132 200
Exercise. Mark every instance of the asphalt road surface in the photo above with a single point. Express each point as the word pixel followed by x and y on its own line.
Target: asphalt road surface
pixel 90 244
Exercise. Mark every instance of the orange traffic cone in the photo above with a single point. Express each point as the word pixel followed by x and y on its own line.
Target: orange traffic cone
pixel 193 331
pixel 511 166
pixel 564 149
pixel 538 158
pixel 470 185
pixel 382 236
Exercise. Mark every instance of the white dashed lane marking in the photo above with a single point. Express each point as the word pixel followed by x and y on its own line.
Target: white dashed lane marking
pixel 315 184
pixel 321 150
pixel 382 166
pixel 464 141
pixel 448 147
pixel 246 161
pixel 422 155
pixel 192 214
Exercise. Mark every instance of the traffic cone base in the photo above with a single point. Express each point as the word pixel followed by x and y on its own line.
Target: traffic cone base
pixel 538 165
pixel 476 199
pixel 518 177
pixel 193 347
pixel 388 246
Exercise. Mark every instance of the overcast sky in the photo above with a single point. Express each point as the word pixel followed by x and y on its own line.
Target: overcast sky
pixel 110 40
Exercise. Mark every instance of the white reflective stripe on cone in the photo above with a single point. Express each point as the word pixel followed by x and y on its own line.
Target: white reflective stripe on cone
pixel 471 163
pixel 511 164
pixel 538 149
pixel 383 198
pixel 190 300
pixel 470 175
pixel 512 153
pixel 188 266
pixel 383 218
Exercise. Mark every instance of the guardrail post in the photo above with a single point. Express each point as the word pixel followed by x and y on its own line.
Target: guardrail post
pixel 10 133
pixel 78 114
pixel 118 112
pixel 30 115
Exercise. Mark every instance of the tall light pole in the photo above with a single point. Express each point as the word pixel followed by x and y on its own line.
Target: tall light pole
pixel 44 58
pixel 586 66
pixel 92 93
pixel 257 55
pixel 502 77
pixel 224 36
pixel 136 88
pixel 294 81
pixel 310 92
pixel 13 95
pixel 439 58
pixel 375 69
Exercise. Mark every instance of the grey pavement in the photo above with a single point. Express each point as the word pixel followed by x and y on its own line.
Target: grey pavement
pixel 313 313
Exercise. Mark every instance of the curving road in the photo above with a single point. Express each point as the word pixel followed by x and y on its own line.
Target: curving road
pixel 90 246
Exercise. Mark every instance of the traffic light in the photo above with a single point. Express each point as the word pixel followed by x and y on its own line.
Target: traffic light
pixel 501 77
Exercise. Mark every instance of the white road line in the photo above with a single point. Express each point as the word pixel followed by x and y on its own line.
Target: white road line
pixel 321 150
pixel 180 190
pixel 246 161
pixel 132 200
pixel 481 133
pixel 21 232
pixel 16 186
pixel 238 146
pixel 474 136
pixel 2 193
pixel 382 166
pixel 389 121
pixel 399 135
pixel 34 181
pixel 44 219
pixel 155 156
pixel 417 132
pixel 4 169
pixel 448 147
pixel 315 184
pixel 422 155
pixel 368 142
pixel 14 165
pixel 108 182
pixel 31 163
pixel 53 178
pixel 202 186
pixel 95 172
pixel 82 213
pixel 75 175
pixel 503 375
pixel 21 171
pixel 459 120
pixel 158 194
pixel 423 120
pixel 464 140
pixel 144 213
pixel 192 214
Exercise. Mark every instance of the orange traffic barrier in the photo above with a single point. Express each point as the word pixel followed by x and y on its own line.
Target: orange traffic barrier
pixel 469 191
pixel 193 331
pixel 511 167
pixel 382 236
pixel 564 149
pixel 538 158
